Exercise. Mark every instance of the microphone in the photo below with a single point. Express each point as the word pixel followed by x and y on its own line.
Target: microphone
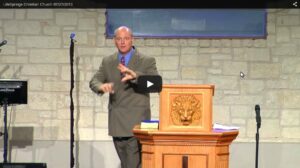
pixel 3 43
pixel 258 118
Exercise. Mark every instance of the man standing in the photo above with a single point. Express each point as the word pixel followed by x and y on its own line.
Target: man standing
pixel 117 75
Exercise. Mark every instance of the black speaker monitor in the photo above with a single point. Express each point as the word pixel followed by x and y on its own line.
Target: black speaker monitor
pixel 13 91
pixel 23 165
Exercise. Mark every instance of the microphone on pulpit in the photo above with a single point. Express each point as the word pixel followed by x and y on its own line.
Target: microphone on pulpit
pixel 258 124
pixel 3 43
pixel 258 118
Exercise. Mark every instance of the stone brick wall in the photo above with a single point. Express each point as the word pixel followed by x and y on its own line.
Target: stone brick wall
pixel 38 50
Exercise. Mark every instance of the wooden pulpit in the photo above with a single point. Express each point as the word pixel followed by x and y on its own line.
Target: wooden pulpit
pixel 185 138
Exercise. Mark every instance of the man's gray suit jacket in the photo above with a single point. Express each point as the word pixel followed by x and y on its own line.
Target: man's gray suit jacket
pixel 126 106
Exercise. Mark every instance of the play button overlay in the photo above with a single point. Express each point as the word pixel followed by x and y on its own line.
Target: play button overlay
pixel 149 83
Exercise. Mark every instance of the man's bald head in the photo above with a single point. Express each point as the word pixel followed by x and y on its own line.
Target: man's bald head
pixel 123 28
pixel 123 39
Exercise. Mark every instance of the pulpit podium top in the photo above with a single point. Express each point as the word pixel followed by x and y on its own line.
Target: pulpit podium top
pixel 214 136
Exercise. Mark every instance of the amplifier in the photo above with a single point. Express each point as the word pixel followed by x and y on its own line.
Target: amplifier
pixel 23 165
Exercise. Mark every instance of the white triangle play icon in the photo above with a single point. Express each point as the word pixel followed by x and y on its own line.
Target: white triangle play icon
pixel 149 84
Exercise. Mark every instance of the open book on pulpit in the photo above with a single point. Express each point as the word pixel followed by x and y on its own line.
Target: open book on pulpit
pixel 149 124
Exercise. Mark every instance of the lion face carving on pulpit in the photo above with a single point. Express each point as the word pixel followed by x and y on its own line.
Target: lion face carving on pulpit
pixel 186 110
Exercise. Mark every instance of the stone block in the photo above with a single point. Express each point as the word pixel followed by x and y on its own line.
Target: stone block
pixel 238 121
pixel 56 86
pixel 65 74
pixel 50 56
pixel 252 86
pixel 50 70
pixel 20 14
pixel 277 84
pixel 51 30
pixel 294 81
pixel 271 28
pixel 193 73
pixel 271 41
pixel 8 50
pixel 251 54
pixel 287 20
pixel 45 133
pixel 38 42
pixel 102 134
pixel 167 63
pixel 26 116
pixel 87 24
pixel 265 70
pixel 151 42
pixel 216 43
pixel 193 42
pixel 64 113
pixel 169 74
pixel 86 134
pixel 295 32
pixel 22 27
pixel 14 59
pixel 66 19
pixel 35 84
pixel 204 43
pixel 285 50
pixel 236 43
pixel 151 51
pixel 270 128
pixel 170 51
pixel 282 34
pixel 221 114
pixel 174 42
pixel 224 82
pixel 291 65
pixel 221 57
pixel 6 14
pixel 260 43
pixel 240 111
pixel 162 42
pixel 208 50
pixel 87 51
pixel 291 132
pixel 291 99
pixel 290 117
pixel 226 43
pixel 86 117
pixel 238 99
pixel 101 120
pixel 247 42
pixel 189 60
pixel 41 101
pixel 274 98
pixel 214 71
pixel 40 14
pixel 234 68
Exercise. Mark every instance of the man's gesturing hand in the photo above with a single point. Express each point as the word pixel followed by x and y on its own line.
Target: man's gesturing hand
pixel 128 73
pixel 107 87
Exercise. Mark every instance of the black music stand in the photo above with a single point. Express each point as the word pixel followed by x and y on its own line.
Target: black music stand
pixel 12 91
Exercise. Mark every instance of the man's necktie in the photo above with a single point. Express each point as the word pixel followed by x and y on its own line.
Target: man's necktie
pixel 123 60
pixel 123 63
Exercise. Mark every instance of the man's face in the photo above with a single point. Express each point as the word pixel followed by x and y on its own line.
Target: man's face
pixel 123 41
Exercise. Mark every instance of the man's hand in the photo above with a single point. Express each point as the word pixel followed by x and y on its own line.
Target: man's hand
pixel 128 73
pixel 107 87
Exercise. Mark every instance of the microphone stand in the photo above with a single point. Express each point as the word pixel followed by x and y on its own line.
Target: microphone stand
pixel 5 139
pixel 72 161
pixel 257 144
pixel 5 133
